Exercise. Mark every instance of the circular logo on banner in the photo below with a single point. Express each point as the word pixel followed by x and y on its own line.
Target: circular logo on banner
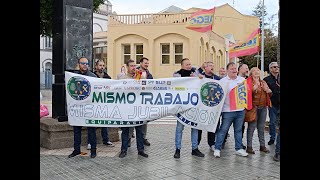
pixel 78 88
pixel 211 94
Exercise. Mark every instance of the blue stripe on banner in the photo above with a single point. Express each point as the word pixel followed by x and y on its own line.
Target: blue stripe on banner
pixel 184 120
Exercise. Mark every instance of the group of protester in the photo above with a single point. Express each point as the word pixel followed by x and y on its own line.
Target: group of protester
pixel 265 98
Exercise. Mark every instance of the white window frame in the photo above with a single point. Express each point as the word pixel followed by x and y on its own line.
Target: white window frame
pixel 161 44
pixel 174 52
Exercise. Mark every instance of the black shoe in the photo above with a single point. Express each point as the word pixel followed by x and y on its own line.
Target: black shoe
pixel 141 153
pixel 223 144
pixel 146 142
pixel 196 152
pixel 129 143
pixel 271 142
pixel 73 154
pixel 93 153
pixel 177 154
pixel 244 147
pixel 276 157
pixel 122 154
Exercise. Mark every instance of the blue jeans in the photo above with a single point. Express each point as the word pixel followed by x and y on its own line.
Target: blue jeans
pixel 125 138
pixel 273 111
pixel 104 135
pixel 178 138
pixel 77 137
pixel 237 118
pixel 278 143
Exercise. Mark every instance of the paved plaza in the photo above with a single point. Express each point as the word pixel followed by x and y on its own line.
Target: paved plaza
pixel 54 164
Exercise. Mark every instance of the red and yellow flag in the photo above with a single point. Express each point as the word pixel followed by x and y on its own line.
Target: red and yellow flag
pixel 201 21
pixel 250 46
pixel 138 74
pixel 241 95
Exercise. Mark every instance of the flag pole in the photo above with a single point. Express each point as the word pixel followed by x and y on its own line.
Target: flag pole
pixel 262 42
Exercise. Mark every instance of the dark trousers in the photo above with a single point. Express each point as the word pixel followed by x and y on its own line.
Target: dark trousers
pixel 104 135
pixel 77 137
pixel 125 138
pixel 211 136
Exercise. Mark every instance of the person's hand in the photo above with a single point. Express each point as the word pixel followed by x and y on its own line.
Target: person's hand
pixel 201 76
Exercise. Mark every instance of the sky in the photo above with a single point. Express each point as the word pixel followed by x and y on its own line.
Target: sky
pixel 155 6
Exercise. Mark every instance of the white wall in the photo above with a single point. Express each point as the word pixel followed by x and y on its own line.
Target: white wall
pixel 99 21
pixel 45 56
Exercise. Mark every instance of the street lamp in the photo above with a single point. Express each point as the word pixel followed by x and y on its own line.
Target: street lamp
pixel 262 42
pixel 257 56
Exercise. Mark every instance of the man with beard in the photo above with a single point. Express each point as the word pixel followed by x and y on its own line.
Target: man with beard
pixel 100 73
pixel 144 64
pixel 131 74
pixel 83 70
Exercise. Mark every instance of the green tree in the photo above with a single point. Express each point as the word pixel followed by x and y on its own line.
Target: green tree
pixel 258 13
pixel 46 14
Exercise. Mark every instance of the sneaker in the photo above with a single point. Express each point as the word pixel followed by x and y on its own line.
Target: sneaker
pixel 177 154
pixel 122 154
pixel 276 157
pixel 271 142
pixel 141 153
pixel 73 154
pixel 216 153
pixel 196 152
pixel 89 147
pixel 212 148
pixel 264 149
pixel 146 142
pixel 241 152
pixel 109 144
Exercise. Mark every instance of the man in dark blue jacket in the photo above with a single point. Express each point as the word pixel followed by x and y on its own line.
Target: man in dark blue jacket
pixel 83 70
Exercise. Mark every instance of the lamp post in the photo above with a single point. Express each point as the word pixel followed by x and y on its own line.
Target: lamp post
pixel 257 56
pixel 262 42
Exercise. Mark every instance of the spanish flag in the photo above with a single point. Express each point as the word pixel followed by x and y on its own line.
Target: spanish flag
pixel 250 46
pixel 138 74
pixel 201 21
pixel 241 95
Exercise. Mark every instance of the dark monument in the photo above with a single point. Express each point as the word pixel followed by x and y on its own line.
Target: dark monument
pixel 72 39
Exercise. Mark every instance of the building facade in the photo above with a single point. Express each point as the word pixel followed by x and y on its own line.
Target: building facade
pixel 165 40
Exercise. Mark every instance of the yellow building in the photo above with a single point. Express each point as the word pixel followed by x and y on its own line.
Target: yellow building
pixel 164 39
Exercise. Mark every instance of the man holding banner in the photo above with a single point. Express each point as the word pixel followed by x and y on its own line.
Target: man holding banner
pixel 232 111
pixel 80 90
pixel 131 74
pixel 186 71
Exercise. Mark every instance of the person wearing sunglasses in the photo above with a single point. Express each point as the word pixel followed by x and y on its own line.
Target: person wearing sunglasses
pixel 273 81
pixel 83 70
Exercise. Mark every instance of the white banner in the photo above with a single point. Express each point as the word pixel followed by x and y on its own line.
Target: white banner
pixel 99 102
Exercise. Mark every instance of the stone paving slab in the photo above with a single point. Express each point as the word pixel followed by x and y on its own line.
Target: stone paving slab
pixel 54 164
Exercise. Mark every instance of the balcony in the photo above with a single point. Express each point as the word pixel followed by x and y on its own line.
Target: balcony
pixel 149 19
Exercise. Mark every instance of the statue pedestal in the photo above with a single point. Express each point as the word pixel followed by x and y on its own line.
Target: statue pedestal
pixel 58 135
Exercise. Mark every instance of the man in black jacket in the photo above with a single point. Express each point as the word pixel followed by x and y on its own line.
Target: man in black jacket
pixel 273 81
pixel 144 64
pixel 83 70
